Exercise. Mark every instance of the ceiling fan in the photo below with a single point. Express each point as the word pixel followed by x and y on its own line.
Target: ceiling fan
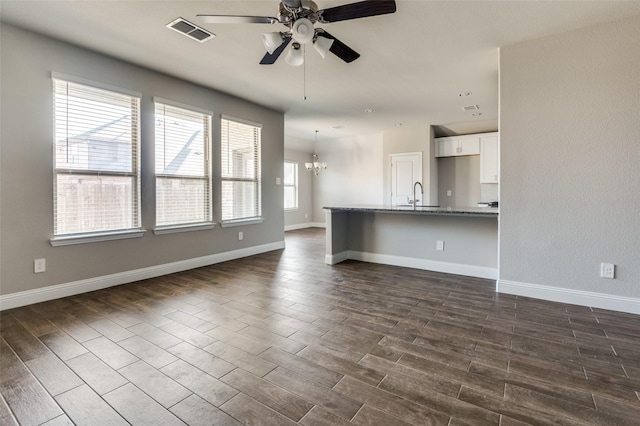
pixel 300 16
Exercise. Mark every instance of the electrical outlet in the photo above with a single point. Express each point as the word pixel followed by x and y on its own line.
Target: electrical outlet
pixel 240 236
pixel 607 270
pixel 448 193
pixel 39 265
pixel 440 245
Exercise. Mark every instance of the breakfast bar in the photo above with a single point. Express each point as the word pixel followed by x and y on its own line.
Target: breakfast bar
pixel 458 241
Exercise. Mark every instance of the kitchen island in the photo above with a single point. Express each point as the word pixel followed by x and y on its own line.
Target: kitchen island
pixel 458 241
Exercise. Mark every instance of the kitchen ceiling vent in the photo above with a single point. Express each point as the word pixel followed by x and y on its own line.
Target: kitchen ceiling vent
pixel 471 108
pixel 192 31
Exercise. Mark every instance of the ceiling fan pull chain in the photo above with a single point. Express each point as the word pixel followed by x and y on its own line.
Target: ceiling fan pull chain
pixel 304 73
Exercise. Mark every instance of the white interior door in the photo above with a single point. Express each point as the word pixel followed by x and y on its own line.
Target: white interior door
pixel 406 170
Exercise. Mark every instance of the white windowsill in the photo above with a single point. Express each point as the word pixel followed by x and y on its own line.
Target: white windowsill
pixel 241 222
pixel 68 240
pixel 163 230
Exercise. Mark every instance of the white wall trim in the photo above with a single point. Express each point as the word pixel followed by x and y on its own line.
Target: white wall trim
pixel 29 297
pixel 304 226
pixel 426 264
pixel 332 259
pixel 298 226
pixel 567 295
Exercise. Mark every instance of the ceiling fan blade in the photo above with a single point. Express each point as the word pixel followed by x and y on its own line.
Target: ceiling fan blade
pixel 360 9
pixel 237 19
pixel 340 49
pixel 271 58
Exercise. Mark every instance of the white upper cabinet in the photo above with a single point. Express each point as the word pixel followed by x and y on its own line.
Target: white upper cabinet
pixel 458 145
pixel 489 158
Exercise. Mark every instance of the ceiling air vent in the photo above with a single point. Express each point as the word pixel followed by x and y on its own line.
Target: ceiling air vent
pixel 471 108
pixel 192 31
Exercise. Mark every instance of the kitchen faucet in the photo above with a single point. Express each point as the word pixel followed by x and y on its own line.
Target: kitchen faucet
pixel 415 202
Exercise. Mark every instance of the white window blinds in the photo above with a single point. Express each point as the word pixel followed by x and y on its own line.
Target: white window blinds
pixel 96 181
pixel 290 185
pixel 240 169
pixel 183 177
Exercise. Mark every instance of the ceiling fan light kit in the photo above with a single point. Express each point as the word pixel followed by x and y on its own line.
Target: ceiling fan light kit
pixel 271 41
pixel 302 31
pixel 300 17
pixel 295 56
pixel 322 45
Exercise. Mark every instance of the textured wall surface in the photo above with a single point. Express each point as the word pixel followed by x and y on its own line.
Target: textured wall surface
pixel 570 159
pixel 305 189
pixel 26 168
pixel 353 175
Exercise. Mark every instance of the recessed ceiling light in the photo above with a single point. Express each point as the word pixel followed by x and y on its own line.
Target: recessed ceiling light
pixel 337 127
pixel 370 110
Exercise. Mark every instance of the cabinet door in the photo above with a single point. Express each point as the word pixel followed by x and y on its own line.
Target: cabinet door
pixel 489 149
pixel 469 146
pixel 448 147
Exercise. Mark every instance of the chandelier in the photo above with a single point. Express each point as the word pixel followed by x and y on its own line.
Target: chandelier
pixel 316 166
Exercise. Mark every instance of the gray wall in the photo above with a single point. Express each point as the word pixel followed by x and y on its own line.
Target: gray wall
pixel 26 170
pixel 467 240
pixel 570 159
pixel 412 139
pixel 302 216
pixel 460 175
pixel 353 174
pixel 358 171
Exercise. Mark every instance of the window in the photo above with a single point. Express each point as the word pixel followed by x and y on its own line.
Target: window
pixel 240 169
pixel 290 185
pixel 96 181
pixel 183 178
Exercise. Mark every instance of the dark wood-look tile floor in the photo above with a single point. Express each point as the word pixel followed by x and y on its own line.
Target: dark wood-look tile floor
pixel 283 339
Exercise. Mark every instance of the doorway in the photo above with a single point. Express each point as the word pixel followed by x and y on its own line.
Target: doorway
pixel 406 170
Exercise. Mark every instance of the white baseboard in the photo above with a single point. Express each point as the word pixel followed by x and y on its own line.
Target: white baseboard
pixel 304 226
pixel 29 297
pixel 424 264
pixel 574 297
pixel 332 259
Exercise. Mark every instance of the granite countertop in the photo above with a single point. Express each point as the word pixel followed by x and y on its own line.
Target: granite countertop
pixel 424 210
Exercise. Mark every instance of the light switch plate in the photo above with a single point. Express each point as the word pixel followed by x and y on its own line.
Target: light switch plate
pixel 607 270
pixel 440 245
pixel 39 265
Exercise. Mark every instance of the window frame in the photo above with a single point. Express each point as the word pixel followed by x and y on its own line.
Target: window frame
pixel 95 235
pixel 207 117
pixel 256 179
pixel 295 185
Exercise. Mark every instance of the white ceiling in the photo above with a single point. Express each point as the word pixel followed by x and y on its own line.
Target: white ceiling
pixel 413 63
